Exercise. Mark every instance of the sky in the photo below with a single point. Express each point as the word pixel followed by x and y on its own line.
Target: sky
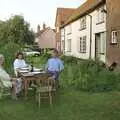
pixel 35 11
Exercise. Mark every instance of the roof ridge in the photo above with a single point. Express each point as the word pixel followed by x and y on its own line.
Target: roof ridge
pixel 64 8
pixel 82 9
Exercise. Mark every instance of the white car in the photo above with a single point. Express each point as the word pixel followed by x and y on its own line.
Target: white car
pixel 30 52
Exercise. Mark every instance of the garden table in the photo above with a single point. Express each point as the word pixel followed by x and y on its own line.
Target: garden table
pixel 30 76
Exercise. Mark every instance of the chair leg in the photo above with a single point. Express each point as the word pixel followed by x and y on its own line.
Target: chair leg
pixel 39 100
pixel 1 92
pixel 50 96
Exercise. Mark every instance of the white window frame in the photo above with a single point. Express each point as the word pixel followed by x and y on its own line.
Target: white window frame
pixel 62 32
pixel 69 45
pixel 83 23
pixel 102 42
pixel 82 47
pixel 114 37
pixel 100 15
pixel 69 29
pixel 63 45
pixel 57 29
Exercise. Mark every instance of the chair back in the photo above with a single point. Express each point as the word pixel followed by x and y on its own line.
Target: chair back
pixel 45 80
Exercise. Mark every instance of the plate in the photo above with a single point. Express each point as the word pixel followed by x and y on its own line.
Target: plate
pixel 28 74
pixel 25 68
pixel 36 72
pixel 23 71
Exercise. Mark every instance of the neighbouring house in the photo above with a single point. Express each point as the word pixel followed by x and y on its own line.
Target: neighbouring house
pixel 62 15
pixel 113 30
pixel 45 38
pixel 83 35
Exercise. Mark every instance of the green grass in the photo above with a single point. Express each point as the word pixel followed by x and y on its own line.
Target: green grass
pixel 70 104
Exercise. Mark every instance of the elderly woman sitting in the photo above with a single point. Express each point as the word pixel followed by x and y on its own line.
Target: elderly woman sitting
pixel 7 80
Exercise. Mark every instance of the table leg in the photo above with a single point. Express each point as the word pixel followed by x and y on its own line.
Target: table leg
pixel 25 88
pixel 14 90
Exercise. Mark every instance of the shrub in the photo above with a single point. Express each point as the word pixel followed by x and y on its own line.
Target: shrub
pixel 88 75
pixel 69 59
pixel 9 50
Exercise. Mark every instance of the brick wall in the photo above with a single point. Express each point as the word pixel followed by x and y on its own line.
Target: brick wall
pixel 113 24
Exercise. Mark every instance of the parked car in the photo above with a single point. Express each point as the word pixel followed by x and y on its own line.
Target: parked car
pixel 30 52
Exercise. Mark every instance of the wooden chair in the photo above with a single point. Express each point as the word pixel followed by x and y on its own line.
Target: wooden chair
pixel 6 91
pixel 45 88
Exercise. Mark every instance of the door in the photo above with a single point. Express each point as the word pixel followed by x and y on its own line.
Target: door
pixel 97 46
pixel 100 46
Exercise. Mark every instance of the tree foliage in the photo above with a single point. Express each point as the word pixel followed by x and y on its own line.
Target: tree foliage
pixel 16 30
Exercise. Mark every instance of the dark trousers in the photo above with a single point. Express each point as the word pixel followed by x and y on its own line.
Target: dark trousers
pixel 55 75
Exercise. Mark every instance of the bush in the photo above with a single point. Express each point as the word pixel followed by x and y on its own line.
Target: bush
pixel 9 50
pixel 88 75
pixel 69 59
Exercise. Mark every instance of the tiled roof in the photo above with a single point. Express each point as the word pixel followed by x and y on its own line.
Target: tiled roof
pixel 64 14
pixel 85 8
pixel 43 30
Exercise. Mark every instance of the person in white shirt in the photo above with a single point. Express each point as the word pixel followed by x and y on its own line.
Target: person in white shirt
pixel 19 62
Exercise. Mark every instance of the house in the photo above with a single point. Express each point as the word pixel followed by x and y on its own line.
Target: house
pixel 113 30
pixel 45 38
pixel 83 35
pixel 62 15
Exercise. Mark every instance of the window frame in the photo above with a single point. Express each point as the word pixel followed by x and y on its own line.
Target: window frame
pixel 69 29
pixel 100 16
pixel 83 24
pixel 82 44
pixel 114 39
pixel 69 45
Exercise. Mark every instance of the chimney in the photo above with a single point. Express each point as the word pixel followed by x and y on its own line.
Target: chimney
pixel 38 29
pixel 44 26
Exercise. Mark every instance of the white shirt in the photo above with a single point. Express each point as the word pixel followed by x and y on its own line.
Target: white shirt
pixel 19 63
pixel 5 78
pixel 4 75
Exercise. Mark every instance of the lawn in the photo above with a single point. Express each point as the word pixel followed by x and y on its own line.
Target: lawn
pixel 69 104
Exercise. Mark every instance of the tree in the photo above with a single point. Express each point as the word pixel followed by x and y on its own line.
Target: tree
pixel 16 30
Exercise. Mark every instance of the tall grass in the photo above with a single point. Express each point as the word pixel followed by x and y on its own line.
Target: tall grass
pixel 88 75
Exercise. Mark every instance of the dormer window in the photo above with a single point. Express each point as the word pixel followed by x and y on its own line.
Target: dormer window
pixel 83 23
pixel 100 15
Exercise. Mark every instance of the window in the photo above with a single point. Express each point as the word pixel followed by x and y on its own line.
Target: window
pixel 62 32
pixel 69 45
pixel 83 23
pixel 69 29
pixel 114 37
pixel 100 15
pixel 58 45
pixel 63 45
pixel 102 42
pixel 57 29
pixel 82 44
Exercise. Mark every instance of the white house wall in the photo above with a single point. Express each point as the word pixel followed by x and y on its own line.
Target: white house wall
pixel 81 33
pixel 97 28
pixel 77 33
